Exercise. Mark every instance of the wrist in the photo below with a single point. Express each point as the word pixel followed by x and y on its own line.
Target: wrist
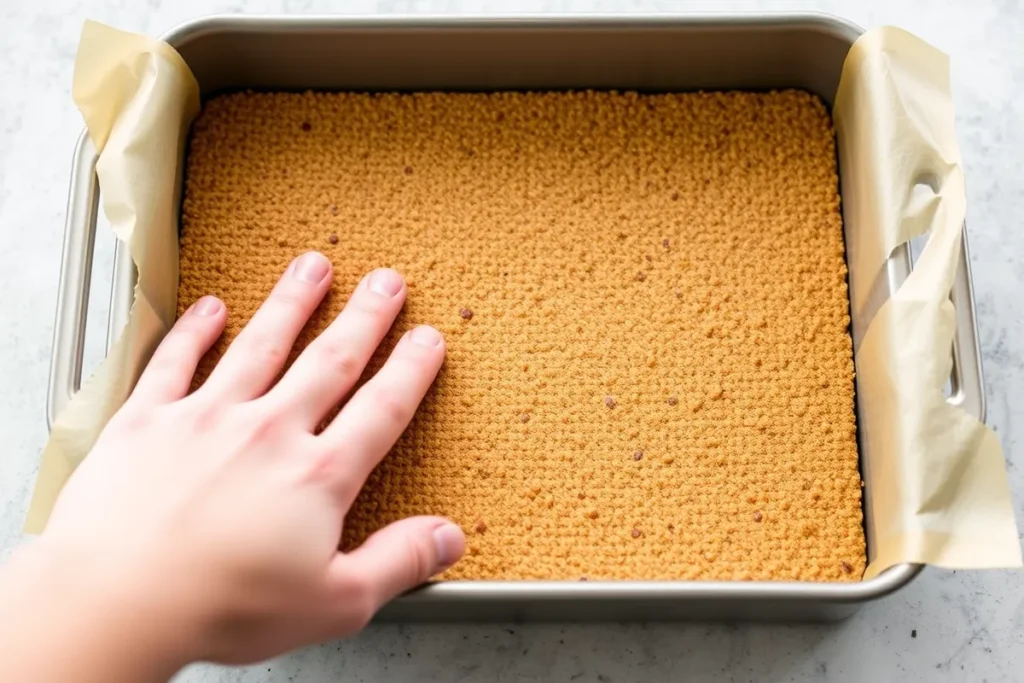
pixel 104 622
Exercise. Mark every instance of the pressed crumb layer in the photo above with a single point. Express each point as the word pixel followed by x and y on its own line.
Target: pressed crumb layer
pixel 649 370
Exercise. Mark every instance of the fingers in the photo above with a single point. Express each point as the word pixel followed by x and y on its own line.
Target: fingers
pixel 256 356
pixel 379 412
pixel 398 558
pixel 168 375
pixel 330 366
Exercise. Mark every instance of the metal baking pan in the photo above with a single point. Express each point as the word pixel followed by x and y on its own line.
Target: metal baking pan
pixel 646 53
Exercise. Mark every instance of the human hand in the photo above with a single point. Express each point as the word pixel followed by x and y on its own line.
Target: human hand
pixel 218 514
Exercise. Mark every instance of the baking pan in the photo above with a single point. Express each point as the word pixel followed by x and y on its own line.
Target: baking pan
pixel 645 53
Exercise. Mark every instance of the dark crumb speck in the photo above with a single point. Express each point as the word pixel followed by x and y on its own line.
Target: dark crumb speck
pixel 913 634
pixel 672 400
pixel 334 210
pixel 637 455
pixel 675 196
pixel 664 243
pixel 583 578
pixel 524 418
pixel 609 401
pixel 648 257
pixel 500 117
pixel 758 516
pixel 466 314
pixel 307 126
pixel 640 277
pixel 635 533
pixel 847 567
pixel 332 238
pixel 679 294
pixel 480 527
pixel 408 170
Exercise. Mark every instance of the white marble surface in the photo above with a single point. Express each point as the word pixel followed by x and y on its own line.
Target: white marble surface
pixel 969 626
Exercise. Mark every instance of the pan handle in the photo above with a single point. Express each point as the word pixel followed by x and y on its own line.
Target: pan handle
pixel 75 275
pixel 968 382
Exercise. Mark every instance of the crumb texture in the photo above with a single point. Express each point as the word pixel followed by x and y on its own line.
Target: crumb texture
pixel 649 373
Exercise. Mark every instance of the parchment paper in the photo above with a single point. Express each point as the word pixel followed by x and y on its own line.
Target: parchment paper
pixel 937 480
pixel 938 488
pixel 137 97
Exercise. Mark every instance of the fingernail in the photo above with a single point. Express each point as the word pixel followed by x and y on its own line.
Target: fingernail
pixel 385 281
pixel 311 267
pixel 208 305
pixel 424 335
pixel 450 543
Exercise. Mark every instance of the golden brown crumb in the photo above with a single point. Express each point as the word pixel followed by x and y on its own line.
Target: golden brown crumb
pixel 544 227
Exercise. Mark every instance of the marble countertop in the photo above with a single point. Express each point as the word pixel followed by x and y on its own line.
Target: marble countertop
pixel 946 626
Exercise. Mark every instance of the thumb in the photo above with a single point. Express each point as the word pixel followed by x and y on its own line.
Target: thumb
pixel 401 556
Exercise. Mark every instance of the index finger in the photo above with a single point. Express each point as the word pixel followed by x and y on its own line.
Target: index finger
pixel 377 414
